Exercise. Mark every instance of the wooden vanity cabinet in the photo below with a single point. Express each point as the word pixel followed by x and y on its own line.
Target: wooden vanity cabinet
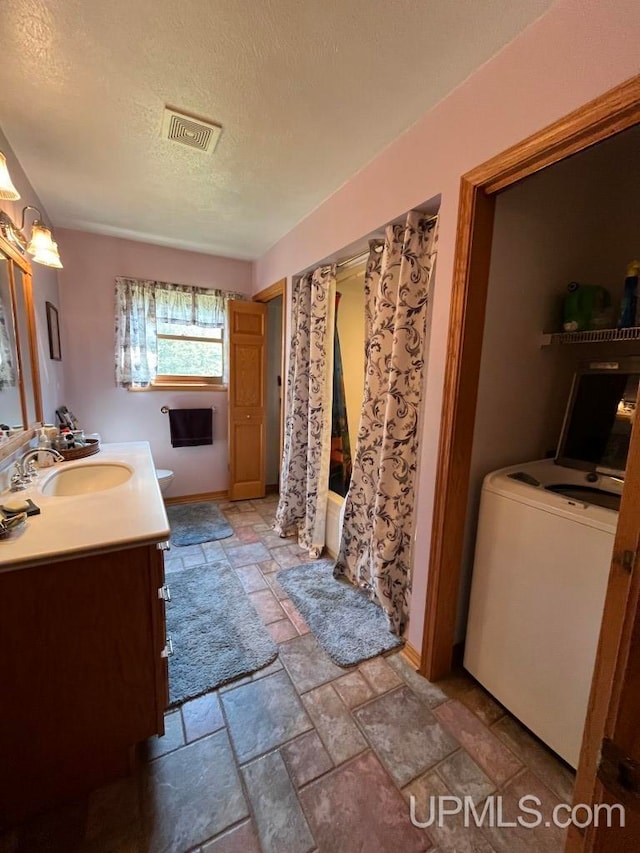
pixel 83 674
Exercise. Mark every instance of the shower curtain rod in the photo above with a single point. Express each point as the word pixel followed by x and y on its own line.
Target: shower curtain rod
pixel 361 257
pixel 364 255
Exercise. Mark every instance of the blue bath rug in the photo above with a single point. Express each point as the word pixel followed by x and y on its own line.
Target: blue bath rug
pixel 192 524
pixel 347 624
pixel 216 633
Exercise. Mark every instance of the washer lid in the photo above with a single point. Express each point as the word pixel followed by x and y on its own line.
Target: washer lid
pixel 547 473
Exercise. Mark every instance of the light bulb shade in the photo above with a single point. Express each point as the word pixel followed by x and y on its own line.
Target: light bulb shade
pixel 42 247
pixel 7 190
pixel 49 257
pixel 41 238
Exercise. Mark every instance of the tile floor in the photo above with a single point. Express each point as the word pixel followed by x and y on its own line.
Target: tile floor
pixel 306 756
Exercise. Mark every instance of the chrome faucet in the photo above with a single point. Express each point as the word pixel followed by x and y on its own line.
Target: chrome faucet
pixel 25 470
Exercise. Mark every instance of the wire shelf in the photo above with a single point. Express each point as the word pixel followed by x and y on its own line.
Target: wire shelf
pixel 593 337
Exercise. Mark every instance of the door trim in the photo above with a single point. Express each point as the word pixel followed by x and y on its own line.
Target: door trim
pixel 278 288
pixel 615 679
pixel 607 115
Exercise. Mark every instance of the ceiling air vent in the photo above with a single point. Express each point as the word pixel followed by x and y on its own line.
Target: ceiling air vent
pixel 191 131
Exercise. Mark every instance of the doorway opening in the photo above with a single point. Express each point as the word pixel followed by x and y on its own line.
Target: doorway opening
pixel 275 299
pixel 613 113
pixel 273 414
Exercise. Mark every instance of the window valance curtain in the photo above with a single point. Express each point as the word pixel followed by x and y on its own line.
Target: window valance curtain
pixel 182 305
pixel 141 305
pixel 375 549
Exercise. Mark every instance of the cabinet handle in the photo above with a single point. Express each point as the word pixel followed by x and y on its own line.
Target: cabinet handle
pixel 164 546
pixel 168 649
pixel 164 593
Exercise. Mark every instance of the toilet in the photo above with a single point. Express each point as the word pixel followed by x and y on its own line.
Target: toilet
pixel 165 478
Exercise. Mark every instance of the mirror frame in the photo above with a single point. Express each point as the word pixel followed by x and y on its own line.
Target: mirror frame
pixel 31 345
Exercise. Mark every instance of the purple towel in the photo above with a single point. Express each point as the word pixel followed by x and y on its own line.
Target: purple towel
pixel 191 427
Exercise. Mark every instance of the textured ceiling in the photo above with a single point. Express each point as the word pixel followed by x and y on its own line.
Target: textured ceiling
pixel 307 91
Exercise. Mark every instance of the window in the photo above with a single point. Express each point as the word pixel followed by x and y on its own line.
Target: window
pixel 170 335
pixel 189 354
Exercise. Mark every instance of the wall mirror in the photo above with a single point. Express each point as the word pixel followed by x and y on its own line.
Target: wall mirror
pixel 20 402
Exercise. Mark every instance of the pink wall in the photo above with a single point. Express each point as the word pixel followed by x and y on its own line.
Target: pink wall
pixel 575 52
pixel 45 285
pixel 92 263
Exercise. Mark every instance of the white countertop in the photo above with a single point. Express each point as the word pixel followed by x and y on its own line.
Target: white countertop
pixel 129 514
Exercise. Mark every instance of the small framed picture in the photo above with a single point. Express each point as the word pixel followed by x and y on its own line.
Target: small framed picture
pixel 53 328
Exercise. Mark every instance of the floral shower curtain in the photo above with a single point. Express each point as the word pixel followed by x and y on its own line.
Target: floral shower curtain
pixel 375 550
pixel 340 460
pixel 304 473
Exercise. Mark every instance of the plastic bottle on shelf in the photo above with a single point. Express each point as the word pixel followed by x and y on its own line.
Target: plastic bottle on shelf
pixel 586 307
pixel 51 431
pixel 629 307
pixel 44 459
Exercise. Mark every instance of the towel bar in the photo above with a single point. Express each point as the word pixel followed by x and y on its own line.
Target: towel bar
pixel 165 409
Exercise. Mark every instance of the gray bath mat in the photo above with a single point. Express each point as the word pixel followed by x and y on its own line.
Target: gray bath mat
pixel 194 523
pixel 216 633
pixel 347 624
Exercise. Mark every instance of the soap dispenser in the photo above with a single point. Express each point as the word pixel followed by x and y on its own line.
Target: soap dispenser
pixel 44 459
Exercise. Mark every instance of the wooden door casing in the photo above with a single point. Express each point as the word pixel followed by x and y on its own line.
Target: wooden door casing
pixel 614 705
pixel 247 386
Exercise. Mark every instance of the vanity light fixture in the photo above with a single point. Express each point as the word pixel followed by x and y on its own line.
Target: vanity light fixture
pixel 7 190
pixel 41 247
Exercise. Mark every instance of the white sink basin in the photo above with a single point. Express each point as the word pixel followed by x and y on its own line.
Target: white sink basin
pixel 87 478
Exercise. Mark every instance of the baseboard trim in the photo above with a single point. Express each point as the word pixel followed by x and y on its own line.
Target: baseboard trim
pixel 192 499
pixel 411 655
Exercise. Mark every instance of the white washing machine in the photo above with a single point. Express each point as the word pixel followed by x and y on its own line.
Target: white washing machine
pixel 539 581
